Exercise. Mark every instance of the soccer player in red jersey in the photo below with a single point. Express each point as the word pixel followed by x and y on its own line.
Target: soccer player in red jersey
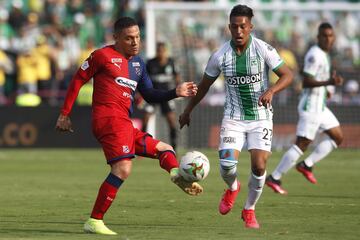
pixel 117 72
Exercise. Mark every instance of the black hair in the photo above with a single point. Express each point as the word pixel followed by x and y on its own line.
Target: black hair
pixel 160 44
pixel 241 10
pixel 124 22
pixel 324 25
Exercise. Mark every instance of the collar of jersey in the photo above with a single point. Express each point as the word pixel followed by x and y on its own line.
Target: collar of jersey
pixel 247 46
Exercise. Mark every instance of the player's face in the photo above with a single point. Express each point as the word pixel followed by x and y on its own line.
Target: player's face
pixel 127 41
pixel 240 28
pixel 326 39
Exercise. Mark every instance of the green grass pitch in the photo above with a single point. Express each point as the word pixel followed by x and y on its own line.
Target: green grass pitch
pixel 48 194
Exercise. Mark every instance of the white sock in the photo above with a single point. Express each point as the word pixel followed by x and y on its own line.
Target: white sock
pixel 228 171
pixel 321 151
pixel 256 184
pixel 288 160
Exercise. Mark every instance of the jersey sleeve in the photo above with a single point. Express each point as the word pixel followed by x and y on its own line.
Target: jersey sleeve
pixel 311 64
pixel 212 69
pixel 271 56
pixel 86 71
pixel 148 92
pixel 145 81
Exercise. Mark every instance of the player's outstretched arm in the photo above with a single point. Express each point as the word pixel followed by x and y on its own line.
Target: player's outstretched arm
pixel 203 88
pixel 310 82
pixel 63 124
pixel 186 89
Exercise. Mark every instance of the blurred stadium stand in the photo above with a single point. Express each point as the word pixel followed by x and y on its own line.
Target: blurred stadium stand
pixel 42 43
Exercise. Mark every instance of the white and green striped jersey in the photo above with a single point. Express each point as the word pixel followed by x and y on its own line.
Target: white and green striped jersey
pixel 246 77
pixel 316 64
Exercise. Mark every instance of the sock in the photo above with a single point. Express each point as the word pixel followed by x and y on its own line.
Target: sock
pixel 106 195
pixel 228 171
pixel 167 160
pixel 287 161
pixel 256 184
pixel 173 138
pixel 321 151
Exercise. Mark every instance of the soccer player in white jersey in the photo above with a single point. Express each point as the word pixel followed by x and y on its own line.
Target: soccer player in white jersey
pixel 314 116
pixel 244 61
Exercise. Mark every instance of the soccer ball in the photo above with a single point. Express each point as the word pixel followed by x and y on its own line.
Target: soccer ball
pixel 194 166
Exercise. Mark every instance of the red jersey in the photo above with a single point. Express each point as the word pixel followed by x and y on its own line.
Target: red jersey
pixel 115 81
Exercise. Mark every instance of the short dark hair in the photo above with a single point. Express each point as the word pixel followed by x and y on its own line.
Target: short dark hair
pixel 241 10
pixel 160 44
pixel 124 22
pixel 324 25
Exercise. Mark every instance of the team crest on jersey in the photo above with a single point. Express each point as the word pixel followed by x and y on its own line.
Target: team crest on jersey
pixel 253 62
pixel 125 149
pixel 135 64
pixel 311 59
pixel 138 71
pixel 126 83
pixel 116 60
pixel 85 65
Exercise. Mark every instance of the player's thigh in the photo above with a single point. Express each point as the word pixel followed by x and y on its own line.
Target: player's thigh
pixel 232 135
pixel 259 134
pixel 328 120
pixel 116 138
pixel 308 125
pixel 145 144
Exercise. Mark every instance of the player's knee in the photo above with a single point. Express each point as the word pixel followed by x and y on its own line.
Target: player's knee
pixel 161 147
pixel 259 170
pixel 121 169
pixel 228 161
pixel 339 138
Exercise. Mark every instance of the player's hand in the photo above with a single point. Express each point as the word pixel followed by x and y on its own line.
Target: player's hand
pixel 184 119
pixel 266 98
pixel 336 79
pixel 63 124
pixel 186 89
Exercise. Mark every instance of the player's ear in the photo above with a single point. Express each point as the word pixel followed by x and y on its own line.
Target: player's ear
pixel 251 26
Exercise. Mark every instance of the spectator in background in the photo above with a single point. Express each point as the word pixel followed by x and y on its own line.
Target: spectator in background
pixel 17 18
pixel 289 58
pixel 164 75
pixel 351 95
pixel 26 65
pixel 42 56
pixel 6 67
pixel 6 31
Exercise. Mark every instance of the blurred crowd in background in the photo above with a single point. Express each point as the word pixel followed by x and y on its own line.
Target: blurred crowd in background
pixel 43 42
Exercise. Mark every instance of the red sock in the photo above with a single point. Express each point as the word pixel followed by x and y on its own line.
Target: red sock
pixel 167 160
pixel 106 195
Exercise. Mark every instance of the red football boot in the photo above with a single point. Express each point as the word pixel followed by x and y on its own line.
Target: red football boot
pixel 249 218
pixel 228 200
pixel 275 185
pixel 306 171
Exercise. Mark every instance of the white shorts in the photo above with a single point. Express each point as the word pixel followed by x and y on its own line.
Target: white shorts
pixel 256 134
pixel 310 123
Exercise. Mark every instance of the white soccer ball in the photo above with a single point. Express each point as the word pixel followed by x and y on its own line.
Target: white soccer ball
pixel 194 166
